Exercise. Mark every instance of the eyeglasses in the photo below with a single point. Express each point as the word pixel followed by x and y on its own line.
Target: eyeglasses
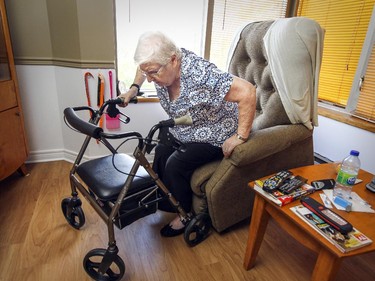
pixel 153 73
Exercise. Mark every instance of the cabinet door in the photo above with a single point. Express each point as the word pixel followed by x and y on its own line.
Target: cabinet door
pixel 12 147
pixel 7 95
pixel 8 80
pixel 4 60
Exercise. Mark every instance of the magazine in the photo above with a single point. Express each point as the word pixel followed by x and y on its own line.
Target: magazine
pixel 345 243
pixel 281 198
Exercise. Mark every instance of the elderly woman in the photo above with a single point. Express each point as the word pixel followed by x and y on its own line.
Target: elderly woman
pixel 221 105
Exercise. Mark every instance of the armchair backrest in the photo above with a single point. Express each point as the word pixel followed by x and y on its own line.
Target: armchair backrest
pixel 249 61
pixel 284 67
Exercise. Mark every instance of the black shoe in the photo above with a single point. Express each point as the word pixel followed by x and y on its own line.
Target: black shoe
pixel 168 231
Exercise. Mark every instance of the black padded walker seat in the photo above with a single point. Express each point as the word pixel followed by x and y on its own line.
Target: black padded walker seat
pixel 106 182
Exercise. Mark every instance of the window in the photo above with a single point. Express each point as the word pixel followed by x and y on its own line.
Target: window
pixel 183 21
pixel 363 103
pixel 347 26
pixel 208 27
pixel 230 15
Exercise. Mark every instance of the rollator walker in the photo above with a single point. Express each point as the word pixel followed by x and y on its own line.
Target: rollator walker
pixel 121 188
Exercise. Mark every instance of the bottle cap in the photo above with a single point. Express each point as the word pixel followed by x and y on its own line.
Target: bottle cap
pixel 354 152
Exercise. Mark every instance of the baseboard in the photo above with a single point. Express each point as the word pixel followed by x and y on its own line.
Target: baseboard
pixel 46 156
pixel 320 159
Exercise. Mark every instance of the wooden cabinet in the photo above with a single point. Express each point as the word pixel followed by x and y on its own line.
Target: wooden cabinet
pixel 13 145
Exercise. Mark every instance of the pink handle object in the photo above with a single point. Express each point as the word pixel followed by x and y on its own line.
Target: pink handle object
pixel 110 83
pixel 112 123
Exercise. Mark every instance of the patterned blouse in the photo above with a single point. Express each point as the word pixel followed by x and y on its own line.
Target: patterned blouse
pixel 202 90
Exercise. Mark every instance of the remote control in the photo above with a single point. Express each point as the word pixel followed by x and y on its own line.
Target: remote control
pixel 323 184
pixel 291 184
pixel 274 182
pixel 327 215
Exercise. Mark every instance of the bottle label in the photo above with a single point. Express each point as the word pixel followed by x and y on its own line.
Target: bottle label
pixel 346 178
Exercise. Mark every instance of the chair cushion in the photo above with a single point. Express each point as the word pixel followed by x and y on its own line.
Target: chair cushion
pixel 106 182
pixel 249 61
pixel 201 176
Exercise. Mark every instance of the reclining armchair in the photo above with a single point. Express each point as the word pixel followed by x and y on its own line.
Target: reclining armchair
pixel 282 58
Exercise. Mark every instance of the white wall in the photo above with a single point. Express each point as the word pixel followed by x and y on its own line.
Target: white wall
pixel 334 140
pixel 46 90
pixel 41 112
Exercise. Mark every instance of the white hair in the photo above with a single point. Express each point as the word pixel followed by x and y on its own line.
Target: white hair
pixel 155 47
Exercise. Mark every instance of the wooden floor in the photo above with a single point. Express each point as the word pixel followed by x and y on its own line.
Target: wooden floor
pixel 37 244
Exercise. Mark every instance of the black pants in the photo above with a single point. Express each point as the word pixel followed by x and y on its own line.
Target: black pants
pixel 175 169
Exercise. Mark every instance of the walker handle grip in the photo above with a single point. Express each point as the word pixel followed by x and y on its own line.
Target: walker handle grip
pixel 83 126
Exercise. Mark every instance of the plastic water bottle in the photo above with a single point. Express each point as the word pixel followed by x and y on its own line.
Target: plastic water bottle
pixel 347 175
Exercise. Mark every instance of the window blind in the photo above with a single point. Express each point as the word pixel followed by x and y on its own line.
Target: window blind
pixel 366 102
pixel 345 22
pixel 230 15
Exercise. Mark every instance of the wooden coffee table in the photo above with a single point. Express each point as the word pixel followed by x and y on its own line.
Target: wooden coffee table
pixel 329 257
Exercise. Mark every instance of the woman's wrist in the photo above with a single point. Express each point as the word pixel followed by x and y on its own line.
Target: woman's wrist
pixel 240 137
pixel 136 86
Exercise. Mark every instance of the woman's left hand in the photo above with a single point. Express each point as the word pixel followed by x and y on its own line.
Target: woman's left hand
pixel 230 144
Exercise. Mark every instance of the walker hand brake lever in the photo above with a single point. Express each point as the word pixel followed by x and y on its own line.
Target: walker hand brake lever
pixel 126 120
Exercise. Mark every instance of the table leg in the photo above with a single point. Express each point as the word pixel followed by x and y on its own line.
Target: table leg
pixel 326 266
pixel 258 225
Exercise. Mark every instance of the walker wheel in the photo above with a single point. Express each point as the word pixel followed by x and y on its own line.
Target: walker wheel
pixel 93 260
pixel 197 230
pixel 73 212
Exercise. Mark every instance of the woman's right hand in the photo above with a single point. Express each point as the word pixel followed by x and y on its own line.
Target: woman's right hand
pixel 134 88
pixel 126 97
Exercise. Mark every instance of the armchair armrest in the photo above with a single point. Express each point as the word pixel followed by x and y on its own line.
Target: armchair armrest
pixel 268 141
pixel 260 145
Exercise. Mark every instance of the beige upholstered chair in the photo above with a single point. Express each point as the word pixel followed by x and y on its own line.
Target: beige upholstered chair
pixel 278 140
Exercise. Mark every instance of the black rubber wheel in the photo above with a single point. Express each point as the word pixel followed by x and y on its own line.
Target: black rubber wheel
pixel 73 212
pixel 92 262
pixel 198 229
